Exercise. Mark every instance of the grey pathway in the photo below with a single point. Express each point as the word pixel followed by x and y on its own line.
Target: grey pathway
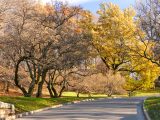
pixel 105 109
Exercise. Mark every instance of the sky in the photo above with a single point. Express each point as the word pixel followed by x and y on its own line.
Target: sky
pixel 93 5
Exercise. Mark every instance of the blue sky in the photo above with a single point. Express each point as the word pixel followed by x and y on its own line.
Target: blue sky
pixel 93 5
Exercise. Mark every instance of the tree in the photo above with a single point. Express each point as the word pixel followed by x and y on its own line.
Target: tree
pixel 116 38
pixel 112 35
pixel 144 79
pixel 5 64
pixel 99 83
pixel 148 15
pixel 71 48
pixel 41 39
pixel 5 77
pixel 18 36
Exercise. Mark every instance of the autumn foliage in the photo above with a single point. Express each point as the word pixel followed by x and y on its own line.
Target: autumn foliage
pixel 58 47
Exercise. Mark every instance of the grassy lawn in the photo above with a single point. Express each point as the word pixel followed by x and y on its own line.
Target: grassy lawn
pixel 147 93
pixel 24 104
pixel 73 94
pixel 152 105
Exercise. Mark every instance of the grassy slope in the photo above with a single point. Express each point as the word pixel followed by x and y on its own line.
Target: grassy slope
pixel 152 105
pixel 24 104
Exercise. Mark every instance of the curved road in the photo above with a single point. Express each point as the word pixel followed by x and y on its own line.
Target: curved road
pixel 103 109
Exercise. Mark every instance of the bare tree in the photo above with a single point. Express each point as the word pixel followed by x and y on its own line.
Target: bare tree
pixel 41 39
pixel 99 83
pixel 149 16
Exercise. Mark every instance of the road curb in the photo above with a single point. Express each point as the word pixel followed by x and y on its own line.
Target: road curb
pixel 121 103
pixel 35 111
pixel 145 111
pixel 47 108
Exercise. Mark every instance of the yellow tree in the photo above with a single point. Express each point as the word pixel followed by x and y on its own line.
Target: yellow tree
pixel 116 38
pixel 114 32
pixel 144 79
pixel 148 72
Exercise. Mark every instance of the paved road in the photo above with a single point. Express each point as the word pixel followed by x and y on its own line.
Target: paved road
pixel 106 109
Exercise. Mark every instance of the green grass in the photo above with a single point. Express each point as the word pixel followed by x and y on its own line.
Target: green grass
pixel 139 93
pixel 73 94
pixel 152 106
pixel 147 93
pixel 25 104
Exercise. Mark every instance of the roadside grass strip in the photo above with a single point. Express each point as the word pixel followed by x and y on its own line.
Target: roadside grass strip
pixel 27 104
pixel 152 105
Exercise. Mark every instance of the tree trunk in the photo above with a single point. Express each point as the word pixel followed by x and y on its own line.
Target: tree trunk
pixel 50 90
pixel 16 76
pixel 32 73
pixel 89 95
pixel 78 94
pixel 31 88
pixel 61 91
pixel 130 93
pixel 54 91
pixel 39 91
pixel 6 87
pixel 27 95
pixel 110 93
pixel 40 85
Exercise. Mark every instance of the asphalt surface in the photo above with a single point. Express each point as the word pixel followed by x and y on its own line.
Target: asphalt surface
pixel 104 109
